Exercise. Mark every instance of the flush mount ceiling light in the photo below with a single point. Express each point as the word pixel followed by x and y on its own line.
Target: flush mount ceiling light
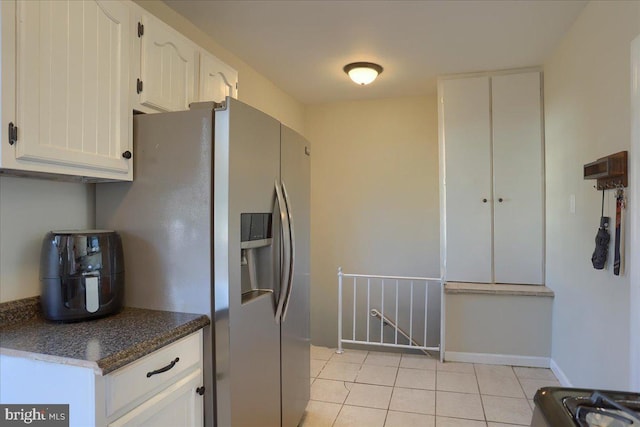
pixel 362 73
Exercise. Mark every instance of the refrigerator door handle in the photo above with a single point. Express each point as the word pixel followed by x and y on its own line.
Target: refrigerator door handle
pixel 286 242
pixel 292 248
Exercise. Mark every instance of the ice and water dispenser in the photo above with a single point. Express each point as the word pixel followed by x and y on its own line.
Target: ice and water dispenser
pixel 258 258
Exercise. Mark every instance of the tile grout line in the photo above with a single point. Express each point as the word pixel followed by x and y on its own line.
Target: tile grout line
pixel 345 399
pixel 484 412
pixel 435 398
pixel 523 390
pixel 526 399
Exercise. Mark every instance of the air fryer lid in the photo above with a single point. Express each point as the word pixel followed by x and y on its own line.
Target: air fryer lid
pixel 69 253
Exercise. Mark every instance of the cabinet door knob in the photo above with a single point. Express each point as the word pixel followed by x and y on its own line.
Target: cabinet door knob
pixel 200 390
pixel 126 154
pixel 484 200
pixel 500 200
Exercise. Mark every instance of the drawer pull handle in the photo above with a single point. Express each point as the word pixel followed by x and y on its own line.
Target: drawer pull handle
pixel 165 369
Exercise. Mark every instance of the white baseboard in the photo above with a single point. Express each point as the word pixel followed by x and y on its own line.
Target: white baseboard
pixel 497 359
pixel 564 381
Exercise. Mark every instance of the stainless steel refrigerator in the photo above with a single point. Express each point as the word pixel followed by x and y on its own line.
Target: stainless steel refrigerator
pixel 216 221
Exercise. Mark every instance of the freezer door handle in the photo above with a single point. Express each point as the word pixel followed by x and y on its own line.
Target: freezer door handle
pixel 286 243
pixel 292 248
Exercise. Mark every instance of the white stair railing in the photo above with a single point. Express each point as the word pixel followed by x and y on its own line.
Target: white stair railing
pixel 403 303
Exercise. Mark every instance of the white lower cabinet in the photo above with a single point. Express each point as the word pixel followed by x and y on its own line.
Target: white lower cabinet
pixel 178 405
pixel 164 388
pixel 161 389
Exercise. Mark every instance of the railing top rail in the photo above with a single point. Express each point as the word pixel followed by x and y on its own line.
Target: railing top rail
pixel 371 276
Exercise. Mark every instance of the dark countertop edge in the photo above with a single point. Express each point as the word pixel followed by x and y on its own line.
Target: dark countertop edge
pixel 4 351
pixel 118 360
pixel 131 354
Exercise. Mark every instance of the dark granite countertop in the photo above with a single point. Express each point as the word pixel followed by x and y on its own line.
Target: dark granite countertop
pixel 103 345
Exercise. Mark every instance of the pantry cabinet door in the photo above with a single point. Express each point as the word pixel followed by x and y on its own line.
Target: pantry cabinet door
pixel 217 79
pixel 465 118
pixel 72 87
pixel 518 178
pixel 167 67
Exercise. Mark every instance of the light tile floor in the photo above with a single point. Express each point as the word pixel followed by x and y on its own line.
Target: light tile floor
pixel 373 389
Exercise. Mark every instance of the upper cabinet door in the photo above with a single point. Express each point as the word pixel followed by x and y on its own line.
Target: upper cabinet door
pixel 217 79
pixel 167 67
pixel 72 88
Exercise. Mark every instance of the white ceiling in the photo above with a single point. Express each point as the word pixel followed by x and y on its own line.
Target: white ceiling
pixel 302 46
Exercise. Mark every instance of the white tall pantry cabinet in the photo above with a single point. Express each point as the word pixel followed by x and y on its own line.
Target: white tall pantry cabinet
pixel 492 173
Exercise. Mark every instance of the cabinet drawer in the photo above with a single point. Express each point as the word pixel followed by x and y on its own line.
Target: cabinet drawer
pixel 152 373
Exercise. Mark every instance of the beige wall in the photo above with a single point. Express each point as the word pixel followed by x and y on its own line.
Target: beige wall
pixel 587 114
pixel 374 196
pixel 253 88
pixel 29 208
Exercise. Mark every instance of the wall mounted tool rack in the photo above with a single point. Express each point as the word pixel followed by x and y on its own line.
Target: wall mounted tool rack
pixel 610 171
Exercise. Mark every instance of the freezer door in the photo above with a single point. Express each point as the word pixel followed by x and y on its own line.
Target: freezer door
pixel 294 331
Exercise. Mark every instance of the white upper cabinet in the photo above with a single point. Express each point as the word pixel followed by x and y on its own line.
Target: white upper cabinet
pixel 72 73
pixel 493 178
pixel 167 64
pixel 217 79
pixel 72 106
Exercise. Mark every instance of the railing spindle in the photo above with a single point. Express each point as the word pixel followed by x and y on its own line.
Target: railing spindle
pixel 368 305
pixel 354 309
pixel 426 305
pixel 411 316
pixel 382 308
pixel 396 338
pixel 340 351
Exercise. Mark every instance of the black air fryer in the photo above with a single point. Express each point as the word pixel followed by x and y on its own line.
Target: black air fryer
pixel 81 274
